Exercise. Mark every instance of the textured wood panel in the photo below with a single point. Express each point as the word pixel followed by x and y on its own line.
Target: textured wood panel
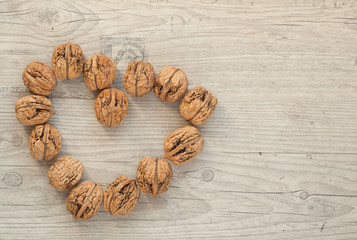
pixel 280 156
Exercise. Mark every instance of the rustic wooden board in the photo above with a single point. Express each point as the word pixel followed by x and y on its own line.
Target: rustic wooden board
pixel 280 156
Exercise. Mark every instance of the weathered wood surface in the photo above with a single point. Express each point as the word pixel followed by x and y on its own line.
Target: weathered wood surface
pixel 280 156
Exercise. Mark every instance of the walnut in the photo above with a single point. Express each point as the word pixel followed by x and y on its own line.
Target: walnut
pixel 45 142
pixel 198 105
pixel 111 107
pixel 84 201
pixel 33 109
pixel 67 61
pixel 121 196
pixel 65 173
pixel 154 176
pixel 183 145
pixel 99 72
pixel 170 84
pixel 139 78
pixel 39 78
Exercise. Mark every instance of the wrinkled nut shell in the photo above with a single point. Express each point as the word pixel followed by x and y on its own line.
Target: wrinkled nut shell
pixel 99 72
pixel 121 196
pixel 111 107
pixel 183 145
pixel 170 84
pixel 154 176
pixel 198 105
pixel 139 78
pixel 33 109
pixel 84 201
pixel 45 142
pixel 65 173
pixel 39 78
pixel 67 61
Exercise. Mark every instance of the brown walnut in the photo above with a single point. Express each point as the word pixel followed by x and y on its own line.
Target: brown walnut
pixel 183 145
pixel 154 175
pixel 45 142
pixel 39 78
pixel 33 109
pixel 139 78
pixel 67 61
pixel 198 105
pixel 111 107
pixel 170 84
pixel 121 196
pixel 99 72
pixel 84 201
pixel 65 173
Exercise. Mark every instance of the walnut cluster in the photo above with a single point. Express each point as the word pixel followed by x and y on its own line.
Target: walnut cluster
pixel 154 175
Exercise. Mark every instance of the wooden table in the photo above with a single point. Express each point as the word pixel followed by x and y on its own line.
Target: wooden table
pixel 280 155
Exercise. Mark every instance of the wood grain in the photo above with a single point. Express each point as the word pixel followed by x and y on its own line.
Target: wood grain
pixel 279 160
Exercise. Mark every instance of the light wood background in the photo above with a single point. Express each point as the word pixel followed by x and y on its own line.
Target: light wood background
pixel 280 156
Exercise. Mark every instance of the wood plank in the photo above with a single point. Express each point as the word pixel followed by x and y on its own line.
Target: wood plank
pixel 279 160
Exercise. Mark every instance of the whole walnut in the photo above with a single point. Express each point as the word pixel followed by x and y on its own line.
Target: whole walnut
pixel 121 196
pixel 183 145
pixel 67 61
pixel 84 201
pixel 39 78
pixel 198 105
pixel 99 72
pixel 170 84
pixel 65 173
pixel 154 175
pixel 45 142
pixel 139 78
pixel 111 107
pixel 33 109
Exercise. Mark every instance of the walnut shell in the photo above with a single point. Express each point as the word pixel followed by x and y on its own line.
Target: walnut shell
pixel 45 142
pixel 99 72
pixel 170 84
pixel 65 173
pixel 67 61
pixel 139 78
pixel 39 78
pixel 84 201
pixel 183 145
pixel 198 105
pixel 111 107
pixel 154 175
pixel 121 196
pixel 33 109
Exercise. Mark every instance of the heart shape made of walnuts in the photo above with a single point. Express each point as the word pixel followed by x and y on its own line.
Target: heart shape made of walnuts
pixel 111 106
